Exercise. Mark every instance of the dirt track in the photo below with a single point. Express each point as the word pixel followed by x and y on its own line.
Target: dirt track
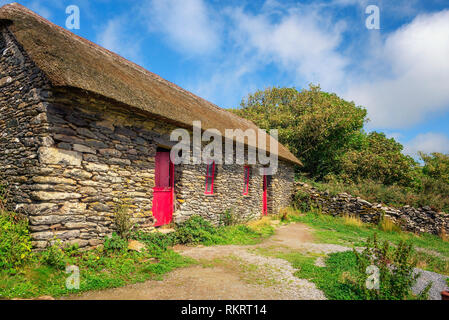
pixel 231 272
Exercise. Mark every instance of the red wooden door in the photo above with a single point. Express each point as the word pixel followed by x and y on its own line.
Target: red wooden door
pixel 163 192
pixel 265 200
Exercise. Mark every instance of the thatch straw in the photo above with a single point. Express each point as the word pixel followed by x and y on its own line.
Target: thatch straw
pixel 71 61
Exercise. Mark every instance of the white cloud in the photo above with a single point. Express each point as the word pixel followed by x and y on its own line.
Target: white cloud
pixel 113 38
pixel 302 41
pixel 417 84
pixel 427 143
pixel 187 24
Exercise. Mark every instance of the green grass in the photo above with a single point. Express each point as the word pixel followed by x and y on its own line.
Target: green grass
pixel 332 279
pixel 329 229
pixel 337 279
pixel 98 270
pixel 198 231
pixel 115 266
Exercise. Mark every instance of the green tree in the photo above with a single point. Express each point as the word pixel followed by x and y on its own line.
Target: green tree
pixel 316 126
pixel 436 165
pixel 375 157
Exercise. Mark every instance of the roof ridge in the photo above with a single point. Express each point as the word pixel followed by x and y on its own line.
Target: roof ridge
pixel 97 47
pixel 70 60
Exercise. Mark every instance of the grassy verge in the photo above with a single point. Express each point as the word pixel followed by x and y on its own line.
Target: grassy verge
pixel 432 254
pixel 27 274
pixel 338 279
pixel 333 280
pixel 99 269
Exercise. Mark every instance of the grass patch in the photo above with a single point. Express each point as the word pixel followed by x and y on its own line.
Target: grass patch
pixel 337 279
pixel 337 230
pixel 98 270
pixel 332 279
pixel 196 230
pixel 32 274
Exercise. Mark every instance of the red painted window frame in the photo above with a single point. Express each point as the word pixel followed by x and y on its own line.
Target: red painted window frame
pixel 246 174
pixel 212 177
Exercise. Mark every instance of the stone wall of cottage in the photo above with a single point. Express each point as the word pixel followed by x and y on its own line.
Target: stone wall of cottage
pixel 228 192
pixel 104 156
pixel 71 158
pixel 23 124
pixel 418 220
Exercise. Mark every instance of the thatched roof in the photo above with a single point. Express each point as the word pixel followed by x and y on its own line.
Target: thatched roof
pixel 71 61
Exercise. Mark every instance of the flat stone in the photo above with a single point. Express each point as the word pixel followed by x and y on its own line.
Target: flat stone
pixel 110 152
pixel 53 180
pixel 45 196
pixel 96 167
pixel 66 138
pixel 47 220
pixel 80 242
pixel 58 156
pixel 83 149
pixel 105 124
pixel 76 225
pixel 45 298
pixel 72 207
pixel 77 174
pixel 64 235
pixel 42 235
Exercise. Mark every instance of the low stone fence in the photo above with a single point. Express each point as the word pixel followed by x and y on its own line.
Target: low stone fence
pixel 418 220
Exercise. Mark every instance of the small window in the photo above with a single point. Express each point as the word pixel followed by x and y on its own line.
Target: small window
pixel 246 173
pixel 210 172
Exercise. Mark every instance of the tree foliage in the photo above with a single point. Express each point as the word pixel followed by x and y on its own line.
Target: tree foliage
pixel 316 126
pixel 326 133
pixel 436 165
pixel 375 157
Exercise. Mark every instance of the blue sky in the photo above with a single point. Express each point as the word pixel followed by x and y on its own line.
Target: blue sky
pixel 223 50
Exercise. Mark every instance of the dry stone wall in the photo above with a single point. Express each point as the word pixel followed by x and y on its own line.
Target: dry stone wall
pixel 418 220
pixel 23 124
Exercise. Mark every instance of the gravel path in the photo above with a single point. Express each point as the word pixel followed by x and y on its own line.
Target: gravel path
pixel 438 280
pixel 276 273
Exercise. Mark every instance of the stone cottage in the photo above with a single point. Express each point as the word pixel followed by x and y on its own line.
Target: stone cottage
pixel 83 130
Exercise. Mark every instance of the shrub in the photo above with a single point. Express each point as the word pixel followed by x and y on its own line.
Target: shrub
pixel 156 242
pixel 302 201
pixel 228 218
pixel 122 220
pixel 195 230
pixel 114 243
pixel 15 241
pixel 54 256
pixel 72 250
pixel 396 271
